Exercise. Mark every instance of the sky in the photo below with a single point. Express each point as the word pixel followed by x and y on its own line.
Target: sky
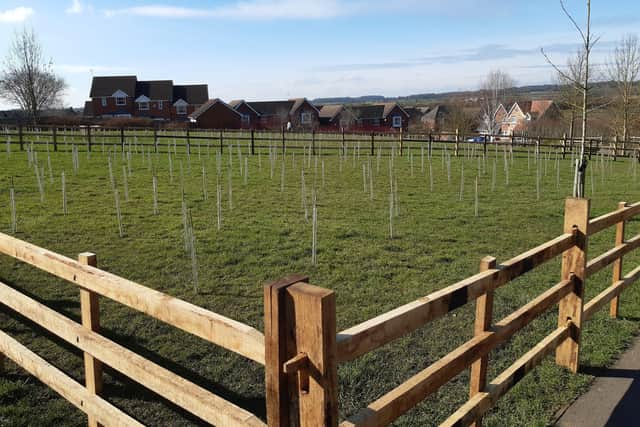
pixel 277 49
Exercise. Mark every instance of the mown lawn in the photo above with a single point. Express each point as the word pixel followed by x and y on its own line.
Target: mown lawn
pixel 265 236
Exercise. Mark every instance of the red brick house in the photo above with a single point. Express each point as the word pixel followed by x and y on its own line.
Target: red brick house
pixel 525 114
pixel 299 113
pixel 250 117
pixel 379 117
pixel 335 117
pixel 126 96
pixel 216 114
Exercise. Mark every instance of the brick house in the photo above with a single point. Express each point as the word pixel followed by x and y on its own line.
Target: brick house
pixel 335 117
pixel 250 117
pixel 216 114
pixel 523 115
pixel 299 113
pixel 379 117
pixel 126 96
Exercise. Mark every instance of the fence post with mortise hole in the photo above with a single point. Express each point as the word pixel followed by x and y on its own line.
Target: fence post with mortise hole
pixel 300 354
pixel 574 260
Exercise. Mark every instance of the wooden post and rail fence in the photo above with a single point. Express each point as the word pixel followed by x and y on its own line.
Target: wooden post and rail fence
pixel 301 348
pixel 315 141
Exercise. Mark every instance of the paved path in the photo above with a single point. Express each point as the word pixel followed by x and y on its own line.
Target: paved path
pixel 614 398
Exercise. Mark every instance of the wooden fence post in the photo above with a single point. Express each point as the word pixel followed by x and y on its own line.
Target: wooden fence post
pixel 484 315
pixel 55 138
pixel 20 137
pixel 122 138
pixel 301 354
pixel 88 138
pixel 401 141
pixel 617 264
pixel 343 142
pixel 373 144
pixel 188 141
pixel 253 143
pixel 457 144
pixel 221 138
pixel 155 138
pixel 283 142
pixel 574 261
pixel 90 313
pixel 313 142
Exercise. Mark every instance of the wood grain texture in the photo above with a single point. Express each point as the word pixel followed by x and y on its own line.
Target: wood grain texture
pixel 380 330
pixel 183 393
pixel 574 261
pixel 617 265
pixel 65 386
pixel 213 327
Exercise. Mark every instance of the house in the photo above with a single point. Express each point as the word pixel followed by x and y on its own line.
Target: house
pixel 113 96
pixel 299 113
pixel 523 115
pixel 250 117
pixel 335 117
pixel 216 114
pixel 379 116
pixel 126 96
pixel 187 99
pixel 435 118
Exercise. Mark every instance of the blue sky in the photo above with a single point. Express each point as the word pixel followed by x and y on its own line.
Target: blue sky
pixel 271 49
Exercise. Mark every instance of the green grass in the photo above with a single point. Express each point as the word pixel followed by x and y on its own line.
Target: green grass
pixel 265 236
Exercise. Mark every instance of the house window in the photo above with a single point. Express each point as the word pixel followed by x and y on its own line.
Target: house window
pixel 121 100
pixel 305 118
pixel 159 105
pixel 181 109
pixel 143 106
pixel 104 101
pixel 397 121
pixel 246 119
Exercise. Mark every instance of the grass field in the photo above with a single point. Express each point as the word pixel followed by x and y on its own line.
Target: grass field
pixel 437 241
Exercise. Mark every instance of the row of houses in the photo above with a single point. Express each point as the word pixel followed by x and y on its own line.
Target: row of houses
pixel 126 96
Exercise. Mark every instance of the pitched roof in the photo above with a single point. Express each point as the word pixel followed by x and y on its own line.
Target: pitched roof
pixel 375 111
pixel 107 85
pixel 210 103
pixel 155 89
pixel 330 111
pixel 192 94
pixel 536 108
pixel 272 108
pixel 236 103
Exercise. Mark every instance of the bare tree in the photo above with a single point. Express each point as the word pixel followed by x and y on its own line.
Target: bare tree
pixel 569 93
pixel 583 86
pixel 27 79
pixel 495 90
pixel 623 70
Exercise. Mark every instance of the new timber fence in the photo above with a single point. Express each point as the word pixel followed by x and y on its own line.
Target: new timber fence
pixel 301 348
pixel 157 140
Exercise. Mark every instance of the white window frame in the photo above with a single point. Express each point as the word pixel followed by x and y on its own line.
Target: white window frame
pixel 143 106
pixel 397 121
pixel 104 101
pixel 159 105
pixel 246 119
pixel 181 109
pixel 305 118
pixel 121 100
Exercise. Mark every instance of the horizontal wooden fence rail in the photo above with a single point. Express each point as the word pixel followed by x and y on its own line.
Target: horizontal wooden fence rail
pixel 220 330
pixel 300 347
pixel 328 140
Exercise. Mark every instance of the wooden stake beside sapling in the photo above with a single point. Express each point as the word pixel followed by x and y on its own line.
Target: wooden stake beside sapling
pixel 155 195
pixel 12 202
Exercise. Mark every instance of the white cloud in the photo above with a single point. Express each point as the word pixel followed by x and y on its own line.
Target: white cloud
pixel 76 7
pixel 252 10
pixel 18 14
